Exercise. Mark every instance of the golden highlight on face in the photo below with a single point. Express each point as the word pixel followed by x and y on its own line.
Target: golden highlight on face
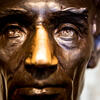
pixel 45 47
pixel 42 52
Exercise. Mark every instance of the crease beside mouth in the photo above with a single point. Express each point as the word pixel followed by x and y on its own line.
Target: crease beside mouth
pixel 4 82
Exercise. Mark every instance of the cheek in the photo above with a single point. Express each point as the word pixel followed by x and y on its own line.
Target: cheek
pixel 70 57
pixel 11 57
pixel 11 48
pixel 76 55
pixel 73 60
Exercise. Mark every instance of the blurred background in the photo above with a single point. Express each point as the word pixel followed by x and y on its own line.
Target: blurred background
pixel 91 89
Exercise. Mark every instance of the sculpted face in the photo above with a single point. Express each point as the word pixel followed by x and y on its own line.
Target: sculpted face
pixel 45 46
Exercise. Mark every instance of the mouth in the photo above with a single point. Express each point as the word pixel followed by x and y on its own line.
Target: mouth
pixel 36 91
pixel 48 93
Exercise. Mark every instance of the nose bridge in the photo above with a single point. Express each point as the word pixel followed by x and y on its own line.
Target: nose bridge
pixel 42 53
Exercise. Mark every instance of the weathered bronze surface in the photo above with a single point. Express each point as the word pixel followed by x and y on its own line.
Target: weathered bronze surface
pixel 45 47
pixel 95 30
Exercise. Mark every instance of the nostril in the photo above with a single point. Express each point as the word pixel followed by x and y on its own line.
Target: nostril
pixel 40 72
pixel 28 59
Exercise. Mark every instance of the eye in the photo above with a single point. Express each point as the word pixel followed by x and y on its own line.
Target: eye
pixel 14 31
pixel 67 31
pixel 67 35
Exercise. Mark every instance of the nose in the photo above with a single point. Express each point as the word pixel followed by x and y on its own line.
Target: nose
pixel 42 52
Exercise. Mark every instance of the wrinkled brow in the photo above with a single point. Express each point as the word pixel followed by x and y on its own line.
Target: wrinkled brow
pixel 15 12
pixel 81 13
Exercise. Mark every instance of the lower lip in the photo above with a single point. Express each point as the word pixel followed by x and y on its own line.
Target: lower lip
pixel 36 91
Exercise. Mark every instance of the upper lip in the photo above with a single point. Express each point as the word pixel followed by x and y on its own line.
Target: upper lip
pixel 43 86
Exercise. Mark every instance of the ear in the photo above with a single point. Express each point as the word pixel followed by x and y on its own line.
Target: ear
pixel 96 53
pixel 95 30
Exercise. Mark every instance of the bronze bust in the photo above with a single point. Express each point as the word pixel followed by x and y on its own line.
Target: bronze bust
pixel 45 46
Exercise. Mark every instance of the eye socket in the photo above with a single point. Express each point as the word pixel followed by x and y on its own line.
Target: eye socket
pixel 14 31
pixel 68 31
pixel 67 35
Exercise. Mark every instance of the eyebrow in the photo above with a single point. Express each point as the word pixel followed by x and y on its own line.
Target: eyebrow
pixel 75 10
pixel 22 17
pixel 10 12
pixel 28 13
pixel 15 11
pixel 71 12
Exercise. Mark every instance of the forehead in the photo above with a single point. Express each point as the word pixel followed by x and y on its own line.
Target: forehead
pixel 55 4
